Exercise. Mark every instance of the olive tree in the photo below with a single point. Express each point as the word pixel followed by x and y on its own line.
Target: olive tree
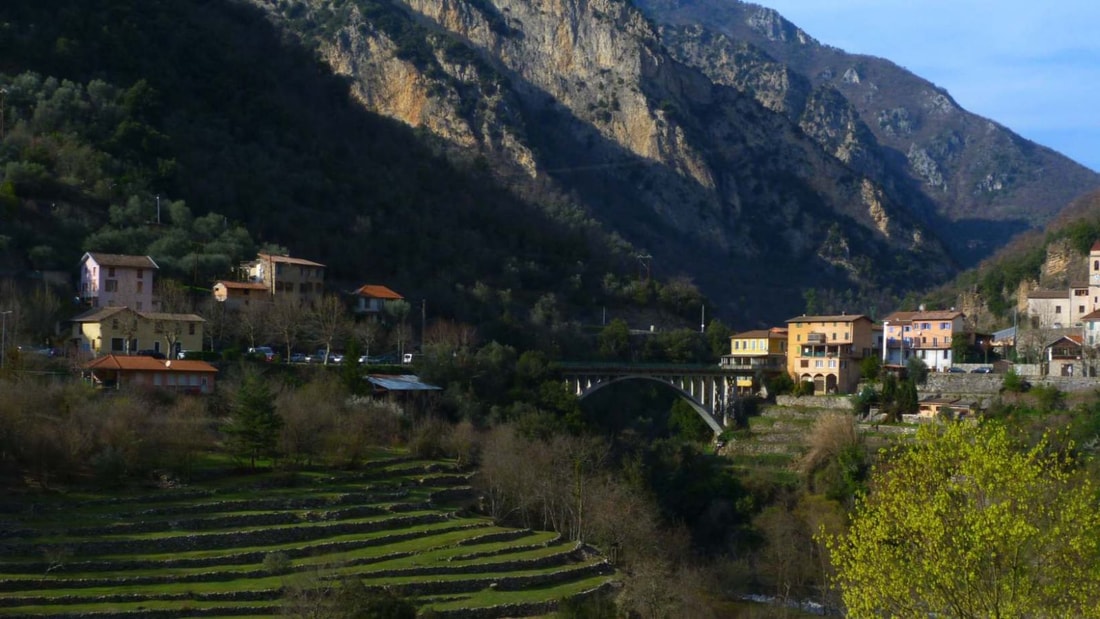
pixel 965 523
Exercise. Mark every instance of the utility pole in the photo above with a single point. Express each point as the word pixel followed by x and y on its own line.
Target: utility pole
pixel 4 338
pixel 423 321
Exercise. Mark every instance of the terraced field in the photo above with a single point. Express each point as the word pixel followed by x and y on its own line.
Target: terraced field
pixel 230 549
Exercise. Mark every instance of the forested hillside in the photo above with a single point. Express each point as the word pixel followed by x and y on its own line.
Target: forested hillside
pixel 196 133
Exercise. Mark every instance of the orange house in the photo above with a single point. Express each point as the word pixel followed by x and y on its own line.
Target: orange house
pixel 116 372
pixel 826 350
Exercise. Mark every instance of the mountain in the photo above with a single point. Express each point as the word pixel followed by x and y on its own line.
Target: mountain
pixel 488 153
pixel 977 183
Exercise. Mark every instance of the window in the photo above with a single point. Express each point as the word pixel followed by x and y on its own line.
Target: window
pixel 834 336
pixel 114 323
pixel 141 273
pixel 798 338
pixel 110 271
pixel 140 287
pixel 817 363
pixel 1080 309
pixel 944 326
pixel 110 285
pixel 907 328
pixel 118 344
pixel 947 354
pixel 926 325
pixel 805 363
pixel 1057 309
pixel 191 329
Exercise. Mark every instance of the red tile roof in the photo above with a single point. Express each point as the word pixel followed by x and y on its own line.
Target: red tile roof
pixel 149 364
pixel 373 291
pixel 840 318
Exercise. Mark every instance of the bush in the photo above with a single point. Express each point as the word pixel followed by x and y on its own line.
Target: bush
pixel 276 563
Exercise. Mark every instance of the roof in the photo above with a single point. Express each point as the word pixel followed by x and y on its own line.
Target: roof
pixel 103 313
pixel 400 382
pixel 1074 339
pixel 838 318
pixel 241 285
pixel 1048 294
pixel 1091 316
pixel 168 316
pixel 99 314
pixel 139 363
pixel 289 260
pixel 1096 246
pixel 755 333
pixel 925 315
pixel 374 291
pixel 120 260
pixel 1005 334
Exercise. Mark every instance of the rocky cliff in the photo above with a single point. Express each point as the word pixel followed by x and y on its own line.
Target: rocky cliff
pixel 977 183
pixel 745 173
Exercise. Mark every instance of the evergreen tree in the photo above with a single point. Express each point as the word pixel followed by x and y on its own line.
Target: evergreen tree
pixel 254 426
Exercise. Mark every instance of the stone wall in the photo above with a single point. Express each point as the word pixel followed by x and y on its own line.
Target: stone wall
pixel 990 384
pixel 830 402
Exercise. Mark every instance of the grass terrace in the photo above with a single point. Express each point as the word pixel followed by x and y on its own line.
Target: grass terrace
pixel 231 546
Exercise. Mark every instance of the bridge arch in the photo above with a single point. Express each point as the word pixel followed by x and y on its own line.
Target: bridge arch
pixel 706 413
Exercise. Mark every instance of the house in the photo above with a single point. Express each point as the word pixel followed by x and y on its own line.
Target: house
pixel 827 350
pixel 114 280
pixel 297 278
pixel 370 300
pixel 1064 356
pixel 926 335
pixel 756 355
pixel 116 372
pixel 934 407
pixel 121 330
pixel 238 294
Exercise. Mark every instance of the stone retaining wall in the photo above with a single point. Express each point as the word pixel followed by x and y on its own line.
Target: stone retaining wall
pixel 830 402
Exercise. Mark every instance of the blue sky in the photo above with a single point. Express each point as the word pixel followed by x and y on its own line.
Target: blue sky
pixel 1033 67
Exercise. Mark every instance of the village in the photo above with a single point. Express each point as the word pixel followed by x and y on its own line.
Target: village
pixel 130 335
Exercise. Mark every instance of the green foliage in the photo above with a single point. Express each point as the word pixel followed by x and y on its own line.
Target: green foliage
pixel 1013 382
pixel 870 367
pixel 780 384
pixel 718 336
pixel 917 370
pixel 254 424
pixel 1049 398
pixel 964 523
pixel 686 424
pixel 614 341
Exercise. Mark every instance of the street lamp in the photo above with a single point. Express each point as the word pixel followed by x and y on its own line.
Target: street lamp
pixel 4 337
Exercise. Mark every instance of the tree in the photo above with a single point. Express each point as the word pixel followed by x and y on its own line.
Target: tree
pixel 287 318
pixel 254 426
pixel 963 523
pixel 614 340
pixel 870 367
pixel 329 322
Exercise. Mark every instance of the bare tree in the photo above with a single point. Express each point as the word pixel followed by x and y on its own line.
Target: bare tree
pixel 288 321
pixel 330 322
pixel 253 322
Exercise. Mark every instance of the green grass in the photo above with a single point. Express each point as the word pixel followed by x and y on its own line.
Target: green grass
pixel 397 551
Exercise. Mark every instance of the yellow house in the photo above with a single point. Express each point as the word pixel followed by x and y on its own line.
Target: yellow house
pixel 826 350
pixel 757 354
pixel 238 294
pixel 121 330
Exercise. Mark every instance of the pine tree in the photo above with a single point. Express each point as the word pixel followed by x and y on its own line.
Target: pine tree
pixel 254 427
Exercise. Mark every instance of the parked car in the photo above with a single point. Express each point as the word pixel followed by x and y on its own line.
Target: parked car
pixel 982 370
pixel 156 354
pixel 265 352
pixel 319 357
pixel 298 357
pixel 955 370
pixel 379 359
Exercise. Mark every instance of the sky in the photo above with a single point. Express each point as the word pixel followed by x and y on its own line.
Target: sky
pixel 1032 66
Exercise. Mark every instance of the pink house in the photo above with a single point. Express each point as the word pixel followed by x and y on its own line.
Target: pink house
pixel 113 280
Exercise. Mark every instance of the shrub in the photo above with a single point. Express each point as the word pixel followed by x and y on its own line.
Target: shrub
pixel 276 563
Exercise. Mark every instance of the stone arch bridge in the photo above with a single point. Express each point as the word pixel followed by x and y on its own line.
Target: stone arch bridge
pixel 708 389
